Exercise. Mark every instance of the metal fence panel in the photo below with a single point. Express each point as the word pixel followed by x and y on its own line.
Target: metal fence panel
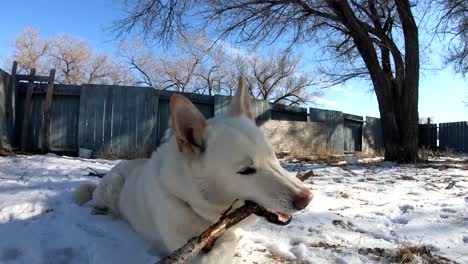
pixel 372 135
pixel 453 136
pixel 334 121
pixel 352 133
pixel 428 135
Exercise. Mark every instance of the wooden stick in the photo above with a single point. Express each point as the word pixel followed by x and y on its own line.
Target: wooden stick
pixel 196 244
pixel 206 240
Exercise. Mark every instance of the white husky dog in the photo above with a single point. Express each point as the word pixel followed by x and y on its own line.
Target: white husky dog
pixel 195 176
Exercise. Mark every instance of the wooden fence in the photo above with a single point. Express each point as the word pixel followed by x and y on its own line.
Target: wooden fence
pixel 129 122
pixel 453 136
pixel 113 121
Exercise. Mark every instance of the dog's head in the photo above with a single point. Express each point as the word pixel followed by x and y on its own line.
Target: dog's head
pixel 232 159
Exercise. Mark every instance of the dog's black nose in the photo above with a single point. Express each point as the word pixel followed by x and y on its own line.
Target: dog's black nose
pixel 303 199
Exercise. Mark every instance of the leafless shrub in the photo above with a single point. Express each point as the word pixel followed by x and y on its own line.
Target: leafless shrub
pixel 425 153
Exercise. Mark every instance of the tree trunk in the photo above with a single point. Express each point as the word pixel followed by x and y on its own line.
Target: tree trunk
pixel 399 116
pixel 397 95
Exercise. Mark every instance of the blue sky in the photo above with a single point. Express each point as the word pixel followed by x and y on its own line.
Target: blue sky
pixel 441 92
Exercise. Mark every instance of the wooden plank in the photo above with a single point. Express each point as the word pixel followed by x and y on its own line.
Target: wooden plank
pixel 125 122
pixel 82 119
pixel 47 111
pixel 163 118
pixel 107 144
pixel 134 121
pixel 59 93
pixel 10 111
pixel 148 123
pixel 99 98
pixel 142 119
pixel 117 111
pixel 11 87
pixel 33 78
pixel 36 123
pixel 87 121
pixel 73 133
pixel 57 128
pixel 27 112
pixel 154 115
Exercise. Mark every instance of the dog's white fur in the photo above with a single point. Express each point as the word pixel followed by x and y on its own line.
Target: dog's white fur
pixel 194 177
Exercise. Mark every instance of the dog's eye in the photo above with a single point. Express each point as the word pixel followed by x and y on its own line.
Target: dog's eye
pixel 247 170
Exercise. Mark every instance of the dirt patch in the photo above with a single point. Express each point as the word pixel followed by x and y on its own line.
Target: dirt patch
pixel 406 253
pixel 344 195
pixel 407 178
pixel 324 245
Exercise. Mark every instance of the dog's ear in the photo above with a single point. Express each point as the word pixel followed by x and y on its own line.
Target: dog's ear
pixel 188 124
pixel 241 104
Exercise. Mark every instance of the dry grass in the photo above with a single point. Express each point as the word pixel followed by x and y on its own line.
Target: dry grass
pixel 425 153
pixel 406 253
pixel 323 151
pixel 297 152
pixel 378 153
pixel 5 151
pixel 322 154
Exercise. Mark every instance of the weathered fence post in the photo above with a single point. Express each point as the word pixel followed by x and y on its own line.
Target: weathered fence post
pixel 10 113
pixel 428 132
pixel 47 111
pixel 27 109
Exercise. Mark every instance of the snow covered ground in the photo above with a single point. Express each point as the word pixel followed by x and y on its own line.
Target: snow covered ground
pixel 360 214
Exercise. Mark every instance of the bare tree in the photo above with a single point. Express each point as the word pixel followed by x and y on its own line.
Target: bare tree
pixel 70 56
pixel 140 59
pixel 118 74
pixel 178 72
pixel 380 36
pixel 277 78
pixel 453 25
pixel 30 51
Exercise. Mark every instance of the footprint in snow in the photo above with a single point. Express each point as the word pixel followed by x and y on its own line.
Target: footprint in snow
pixel 448 210
pixel 465 239
pixel 11 254
pixel 400 220
pixel 66 255
pixel 405 208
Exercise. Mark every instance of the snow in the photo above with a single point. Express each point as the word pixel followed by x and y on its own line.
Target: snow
pixel 356 208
